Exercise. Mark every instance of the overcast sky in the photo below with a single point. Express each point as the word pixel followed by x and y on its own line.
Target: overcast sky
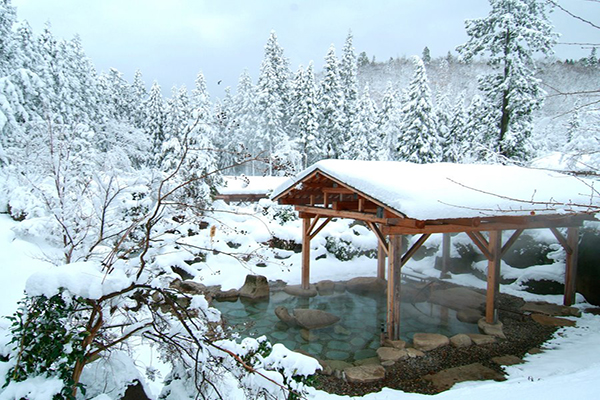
pixel 171 40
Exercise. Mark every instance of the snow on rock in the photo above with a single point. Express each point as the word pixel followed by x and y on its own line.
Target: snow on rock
pixel 250 184
pixel 38 388
pixel 85 279
pixel 443 190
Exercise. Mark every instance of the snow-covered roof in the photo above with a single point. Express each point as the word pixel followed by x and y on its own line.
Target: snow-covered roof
pixel 250 184
pixel 443 190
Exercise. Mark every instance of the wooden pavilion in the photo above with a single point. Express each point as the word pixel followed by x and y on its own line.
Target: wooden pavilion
pixel 396 198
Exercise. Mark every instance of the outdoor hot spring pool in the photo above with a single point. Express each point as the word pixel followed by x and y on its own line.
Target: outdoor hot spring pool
pixel 355 337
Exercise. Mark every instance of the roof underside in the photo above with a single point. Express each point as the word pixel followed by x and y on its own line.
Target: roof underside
pixel 396 192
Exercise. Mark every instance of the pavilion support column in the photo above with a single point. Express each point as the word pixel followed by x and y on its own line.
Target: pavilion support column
pixel 306 224
pixel 381 259
pixel 571 267
pixel 493 278
pixel 393 286
pixel 445 256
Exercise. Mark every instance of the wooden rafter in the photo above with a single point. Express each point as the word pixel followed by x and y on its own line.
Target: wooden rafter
pixel 480 242
pixel 411 252
pixel 561 239
pixel 380 237
pixel 511 241
pixel 313 234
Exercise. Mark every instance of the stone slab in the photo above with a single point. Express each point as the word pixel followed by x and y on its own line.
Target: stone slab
pixel 445 379
pixel 507 360
pixel 458 298
pixel 365 373
pixel 429 341
pixel 480 339
pixel 553 310
pixel 551 321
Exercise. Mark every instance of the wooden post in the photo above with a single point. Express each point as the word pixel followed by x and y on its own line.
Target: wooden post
pixel 445 256
pixel 493 278
pixel 306 252
pixel 381 258
pixel 571 267
pixel 393 288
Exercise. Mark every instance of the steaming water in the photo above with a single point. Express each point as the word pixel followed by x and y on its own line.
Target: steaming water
pixel 355 337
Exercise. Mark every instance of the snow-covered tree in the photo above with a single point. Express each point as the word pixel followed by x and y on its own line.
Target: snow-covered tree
pixel 154 121
pixel 332 121
pixel 388 123
pixel 365 141
pixel 8 17
pixel 419 141
pixel 273 98
pixel 426 56
pixel 512 33
pixel 349 80
pixel 305 114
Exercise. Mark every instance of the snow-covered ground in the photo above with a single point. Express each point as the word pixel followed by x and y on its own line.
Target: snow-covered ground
pixel 568 368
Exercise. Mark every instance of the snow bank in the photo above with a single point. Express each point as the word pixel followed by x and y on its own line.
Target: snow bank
pixel 85 279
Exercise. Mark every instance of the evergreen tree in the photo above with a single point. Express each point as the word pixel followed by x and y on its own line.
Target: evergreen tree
pixel 426 56
pixel 244 125
pixel 388 123
pixel 511 34
pixel 8 17
pixel 349 81
pixel 332 121
pixel 154 121
pixel 362 60
pixel 364 142
pixel 305 115
pixel 419 141
pixel 457 143
pixel 273 99
pixel 138 95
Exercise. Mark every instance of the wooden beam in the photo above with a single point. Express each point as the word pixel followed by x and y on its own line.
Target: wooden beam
pixel 411 252
pixel 446 243
pixel 563 242
pixel 480 242
pixel 511 241
pixel 306 252
pixel 381 259
pixel 379 235
pixel 328 212
pixel 571 266
pixel 313 234
pixel 393 289
pixel 337 190
pixel 493 277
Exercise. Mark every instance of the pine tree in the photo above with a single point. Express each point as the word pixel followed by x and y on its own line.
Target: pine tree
pixel 8 17
pixel 364 142
pixel 244 125
pixel 426 57
pixel 349 81
pixel 138 95
pixel 511 34
pixel 419 141
pixel 388 123
pixel 273 99
pixel 154 121
pixel 305 115
pixel 332 121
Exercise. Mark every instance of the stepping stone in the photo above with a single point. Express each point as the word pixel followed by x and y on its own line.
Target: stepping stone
pixel 429 341
pixel 445 379
pixel 507 360
pixel 491 329
pixel 396 344
pixel 391 354
pixel 552 321
pixel 296 290
pixel 413 353
pixel 367 361
pixel 461 340
pixel 365 373
pixel 480 339
pixel 552 310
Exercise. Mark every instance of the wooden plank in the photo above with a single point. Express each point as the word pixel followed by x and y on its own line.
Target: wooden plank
pixel 381 259
pixel 351 205
pixel 511 241
pixel 571 266
pixel 337 190
pixel 481 243
pixel 411 252
pixel 328 212
pixel 379 235
pixel 446 242
pixel 561 239
pixel 305 253
pixel 313 234
pixel 493 277
pixel 393 289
